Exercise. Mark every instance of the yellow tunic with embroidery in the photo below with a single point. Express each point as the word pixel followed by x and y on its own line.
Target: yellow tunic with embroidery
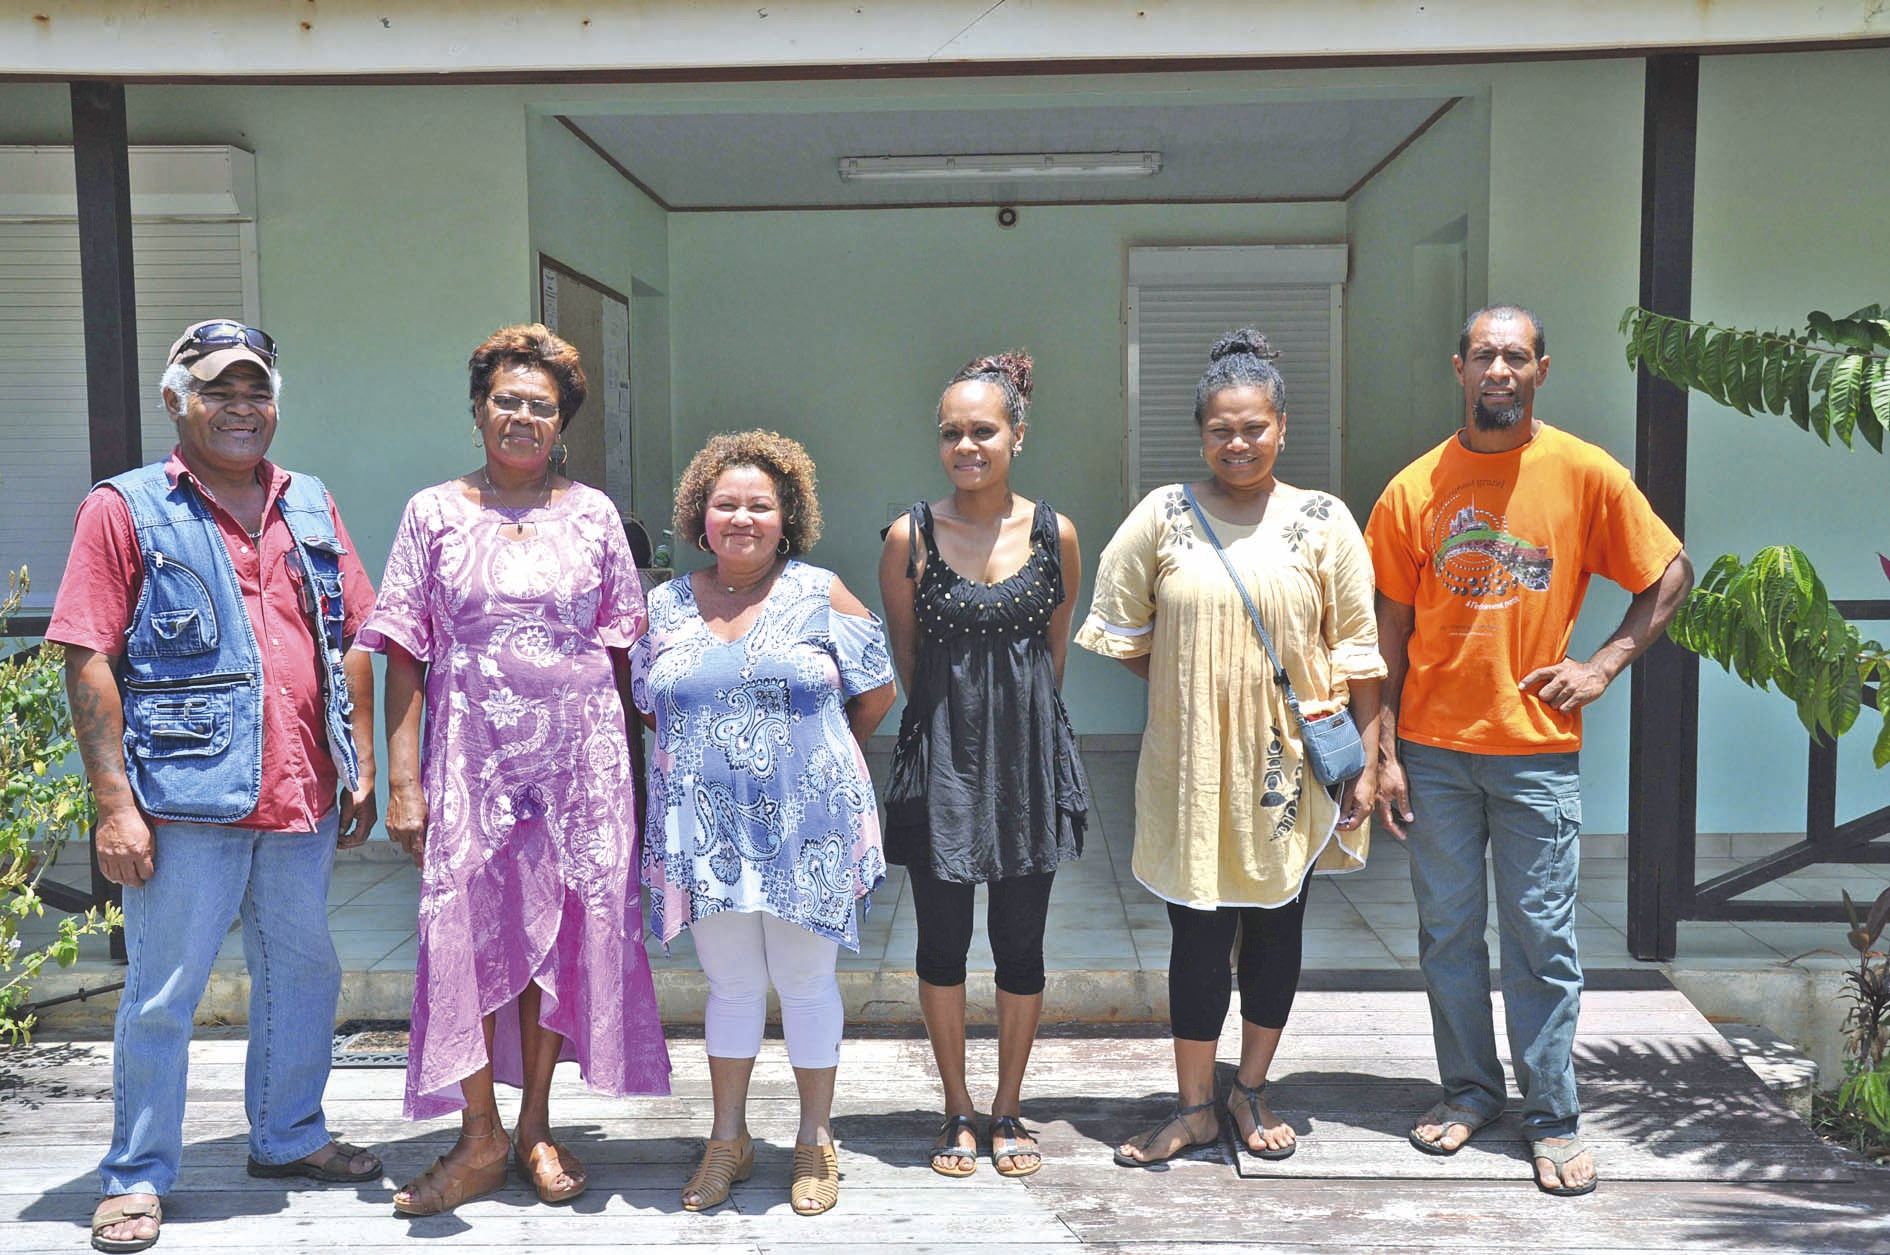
pixel 1225 815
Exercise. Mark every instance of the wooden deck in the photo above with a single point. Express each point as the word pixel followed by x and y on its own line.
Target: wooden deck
pixel 1694 1154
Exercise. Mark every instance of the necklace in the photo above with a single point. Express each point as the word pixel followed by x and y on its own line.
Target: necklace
pixel 754 583
pixel 515 514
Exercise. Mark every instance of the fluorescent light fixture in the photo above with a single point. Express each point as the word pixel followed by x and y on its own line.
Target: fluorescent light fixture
pixel 999 167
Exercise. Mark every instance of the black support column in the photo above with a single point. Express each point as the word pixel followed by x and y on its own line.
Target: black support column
pixel 101 159
pixel 1664 726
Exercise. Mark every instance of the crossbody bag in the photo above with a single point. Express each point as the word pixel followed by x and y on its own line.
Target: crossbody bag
pixel 1334 752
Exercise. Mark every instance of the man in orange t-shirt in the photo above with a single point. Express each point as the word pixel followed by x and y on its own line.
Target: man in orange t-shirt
pixel 1482 550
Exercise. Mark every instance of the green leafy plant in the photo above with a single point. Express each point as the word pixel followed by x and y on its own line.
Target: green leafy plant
pixel 1769 621
pixel 1833 379
pixel 1866 1092
pixel 42 806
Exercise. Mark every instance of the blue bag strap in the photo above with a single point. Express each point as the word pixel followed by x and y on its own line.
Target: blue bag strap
pixel 1279 669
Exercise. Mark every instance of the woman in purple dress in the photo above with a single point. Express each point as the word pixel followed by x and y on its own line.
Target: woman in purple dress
pixel 511 600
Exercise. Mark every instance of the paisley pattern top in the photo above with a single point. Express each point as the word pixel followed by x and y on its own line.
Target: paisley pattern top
pixel 531 846
pixel 759 795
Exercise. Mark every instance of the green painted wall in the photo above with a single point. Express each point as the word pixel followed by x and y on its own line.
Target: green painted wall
pixel 589 217
pixel 841 328
pixel 1788 218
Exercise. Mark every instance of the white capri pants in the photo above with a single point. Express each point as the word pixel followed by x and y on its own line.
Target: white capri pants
pixel 740 953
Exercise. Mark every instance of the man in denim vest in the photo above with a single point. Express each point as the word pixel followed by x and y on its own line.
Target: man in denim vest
pixel 206 612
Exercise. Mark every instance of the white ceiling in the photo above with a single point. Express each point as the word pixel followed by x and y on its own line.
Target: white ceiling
pixel 1298 150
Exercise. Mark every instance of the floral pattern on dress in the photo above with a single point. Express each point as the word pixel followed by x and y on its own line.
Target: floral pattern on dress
pixel 759 798
pixel 531 851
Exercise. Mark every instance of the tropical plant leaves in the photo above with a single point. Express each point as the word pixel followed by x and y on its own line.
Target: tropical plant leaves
pixel 1771 623
pixel 1832 379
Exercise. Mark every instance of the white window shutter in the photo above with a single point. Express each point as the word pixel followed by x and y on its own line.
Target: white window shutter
pixel 184 271
pixel 1180 301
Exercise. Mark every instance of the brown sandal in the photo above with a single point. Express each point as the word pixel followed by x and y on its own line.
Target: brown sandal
pixel 542 1168
pixel 816 1178
pixel 115 1210
pixel 446 1185
pixel 723 1164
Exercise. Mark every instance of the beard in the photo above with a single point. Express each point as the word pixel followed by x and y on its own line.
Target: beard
pixel 1488 419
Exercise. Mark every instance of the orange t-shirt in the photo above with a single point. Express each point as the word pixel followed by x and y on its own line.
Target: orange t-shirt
pixel 1494 551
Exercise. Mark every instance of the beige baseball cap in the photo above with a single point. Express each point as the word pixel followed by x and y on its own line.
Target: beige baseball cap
pixel 213 346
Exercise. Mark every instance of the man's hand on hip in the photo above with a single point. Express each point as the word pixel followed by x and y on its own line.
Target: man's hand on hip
pixel 126 852
pixel 1568 685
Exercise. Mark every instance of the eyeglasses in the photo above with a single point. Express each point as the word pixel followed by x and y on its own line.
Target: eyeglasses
pixel 225 335
pixel 506 403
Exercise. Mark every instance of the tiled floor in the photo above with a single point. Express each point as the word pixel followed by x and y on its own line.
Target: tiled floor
pixel 1101 919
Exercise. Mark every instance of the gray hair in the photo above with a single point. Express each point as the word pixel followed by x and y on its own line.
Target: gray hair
pixel 177 378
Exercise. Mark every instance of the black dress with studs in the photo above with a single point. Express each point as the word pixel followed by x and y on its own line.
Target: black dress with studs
pixel 986 780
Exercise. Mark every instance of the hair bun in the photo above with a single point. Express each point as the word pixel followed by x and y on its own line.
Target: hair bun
pixel 1245 342
pixel 1013 364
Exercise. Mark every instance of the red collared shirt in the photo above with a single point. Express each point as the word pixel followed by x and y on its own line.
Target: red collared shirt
pixel 105 575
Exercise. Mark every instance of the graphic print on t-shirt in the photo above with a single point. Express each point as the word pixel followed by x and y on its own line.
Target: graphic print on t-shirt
pixel 1476 557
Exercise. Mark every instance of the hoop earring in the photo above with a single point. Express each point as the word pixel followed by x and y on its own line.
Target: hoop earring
pixel 478 440
pixel 782 547
pixel 559 456
pixel 702 543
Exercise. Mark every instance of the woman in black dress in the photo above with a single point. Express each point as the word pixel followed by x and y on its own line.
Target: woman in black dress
pixel 987 788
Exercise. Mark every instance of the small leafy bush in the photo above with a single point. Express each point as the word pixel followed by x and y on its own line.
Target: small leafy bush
pixel 42 806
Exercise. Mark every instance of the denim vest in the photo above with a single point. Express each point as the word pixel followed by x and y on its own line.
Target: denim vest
pixel 192 674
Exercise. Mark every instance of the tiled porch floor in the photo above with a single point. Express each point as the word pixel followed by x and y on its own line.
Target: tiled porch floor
pixel 1102 919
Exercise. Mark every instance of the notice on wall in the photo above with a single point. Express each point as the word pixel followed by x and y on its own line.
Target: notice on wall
pixel 548 298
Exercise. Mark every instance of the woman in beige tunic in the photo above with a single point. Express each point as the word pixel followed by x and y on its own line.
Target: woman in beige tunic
pixel 1229 823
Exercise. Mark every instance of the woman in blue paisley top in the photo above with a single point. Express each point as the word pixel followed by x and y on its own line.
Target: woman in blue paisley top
pixel 762 676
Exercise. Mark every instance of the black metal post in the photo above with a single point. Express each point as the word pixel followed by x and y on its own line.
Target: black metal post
pixel 101 159
pixel 1664 725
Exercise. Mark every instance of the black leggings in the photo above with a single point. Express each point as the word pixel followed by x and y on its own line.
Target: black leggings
pixel 1199 977
pixel 1013 918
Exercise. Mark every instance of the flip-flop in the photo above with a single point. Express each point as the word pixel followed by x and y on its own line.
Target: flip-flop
pixel 1179 1116
pixel 1448 1113
pixel 950 1159
pixel 1560 1155
pixel 1251 1096
pixel 324 1171
pixel 116 1210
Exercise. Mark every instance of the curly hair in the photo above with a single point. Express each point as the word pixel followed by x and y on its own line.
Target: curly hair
pixel 1010 372
pixel 782 459
pixel 530 344
pixel 1240 359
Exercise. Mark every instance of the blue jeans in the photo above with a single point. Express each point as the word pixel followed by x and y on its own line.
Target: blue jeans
pixel 174 924
pixel 1527 810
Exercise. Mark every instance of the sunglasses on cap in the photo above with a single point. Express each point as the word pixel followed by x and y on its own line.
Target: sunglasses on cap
pixel 212 336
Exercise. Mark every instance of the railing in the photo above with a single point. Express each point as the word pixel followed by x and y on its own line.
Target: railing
pixel 1826 840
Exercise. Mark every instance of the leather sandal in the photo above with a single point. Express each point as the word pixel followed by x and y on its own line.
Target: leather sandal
pixel 118 1209
pixel 816 1178
pixel 1179 1116
pixel 1448 1113
pixel 1012 1130
pixel 542 1168
pixel 325 1169
pixel 1559 1156
pixel 950 1159
pixel 446 1185
pixel 1250 1096
pixel 723 1164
